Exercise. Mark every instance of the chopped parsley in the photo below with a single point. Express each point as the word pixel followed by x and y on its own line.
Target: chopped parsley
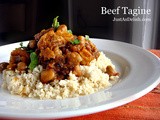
pixel 30 51
pixel 22 46
pixel 69 31
pixel 55 23
pixel 34 61
pixel 86 37
pixel 75 42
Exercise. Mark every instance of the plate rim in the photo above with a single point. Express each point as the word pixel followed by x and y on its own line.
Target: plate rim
pixel 86 111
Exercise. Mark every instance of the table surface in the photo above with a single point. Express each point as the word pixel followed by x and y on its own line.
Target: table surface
pixel 144 108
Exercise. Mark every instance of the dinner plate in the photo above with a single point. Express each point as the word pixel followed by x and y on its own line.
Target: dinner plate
pixel 139 73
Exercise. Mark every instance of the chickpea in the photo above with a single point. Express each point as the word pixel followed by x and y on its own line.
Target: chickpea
pixel 47 75
pixel 74 58
pixel 86 56
pixel 21 66
pixel 76 48
pixel 62 29
pixel 57 51
pixel 111 72
pixel 82 39
pixel 3 66
pixel 77 56
pixel 32 44
pixel 77 71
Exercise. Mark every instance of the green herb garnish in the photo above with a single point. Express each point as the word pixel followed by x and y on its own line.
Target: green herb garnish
pixel 69 31
pixel 86 37
pixel 55 23
pixel 30 51
pixel 75 42
pixel 21 44
pixel 34 61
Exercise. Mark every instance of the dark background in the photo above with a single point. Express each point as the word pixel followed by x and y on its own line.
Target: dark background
pixel 20 20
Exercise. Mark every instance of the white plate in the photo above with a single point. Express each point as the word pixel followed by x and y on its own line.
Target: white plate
pixel 140 73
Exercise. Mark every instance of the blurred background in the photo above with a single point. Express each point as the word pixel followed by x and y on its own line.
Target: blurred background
pixel 20 20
